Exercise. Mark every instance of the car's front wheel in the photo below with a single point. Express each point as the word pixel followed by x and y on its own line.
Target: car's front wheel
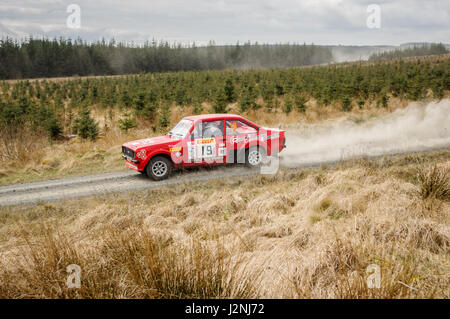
pixel 255 156
pixel 159 168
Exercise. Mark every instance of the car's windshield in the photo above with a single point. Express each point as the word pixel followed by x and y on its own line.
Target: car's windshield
pixel 181 129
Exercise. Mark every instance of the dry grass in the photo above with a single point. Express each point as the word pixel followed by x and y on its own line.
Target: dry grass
pixel 434 182
pixel 134 263
pixel 40 160
pixel 296 234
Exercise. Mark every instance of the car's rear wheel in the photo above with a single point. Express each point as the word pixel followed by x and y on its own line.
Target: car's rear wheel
pixel 255 156
pixel 159 168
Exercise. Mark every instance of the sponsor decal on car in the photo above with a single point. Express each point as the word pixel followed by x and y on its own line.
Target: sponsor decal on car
pixel 175 149
pixel 221 151
pixel 238 139
pixel 205 141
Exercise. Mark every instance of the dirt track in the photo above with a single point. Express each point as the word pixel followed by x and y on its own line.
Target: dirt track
pixel 114 182
pixel 105 183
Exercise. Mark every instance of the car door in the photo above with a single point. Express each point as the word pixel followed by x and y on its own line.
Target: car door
pixel 206 144
pixel 238 136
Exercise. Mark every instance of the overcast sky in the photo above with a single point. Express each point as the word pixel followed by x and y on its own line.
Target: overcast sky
pixel 229 21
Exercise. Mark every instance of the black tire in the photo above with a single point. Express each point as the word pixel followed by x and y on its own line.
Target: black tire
pixel 159 168
pixel 255 156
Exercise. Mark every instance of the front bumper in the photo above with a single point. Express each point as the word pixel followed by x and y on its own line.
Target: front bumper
pixel 128 164
pixel 127 158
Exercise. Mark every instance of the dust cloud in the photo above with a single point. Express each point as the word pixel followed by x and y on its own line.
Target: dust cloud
pixel 415 128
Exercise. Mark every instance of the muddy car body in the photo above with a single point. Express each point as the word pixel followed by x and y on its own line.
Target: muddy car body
pixel 201 140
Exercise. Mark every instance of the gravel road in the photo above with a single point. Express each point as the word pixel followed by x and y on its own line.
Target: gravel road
pixel 114 182
pixel 57 189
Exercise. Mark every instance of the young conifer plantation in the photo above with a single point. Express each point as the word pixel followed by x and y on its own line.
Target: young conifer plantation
pixel 57 107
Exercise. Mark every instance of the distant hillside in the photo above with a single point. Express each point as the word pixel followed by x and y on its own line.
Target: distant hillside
pixel 61 58
pixel 420 44
pixel 44 58
pixel 347 53
pixel 410 50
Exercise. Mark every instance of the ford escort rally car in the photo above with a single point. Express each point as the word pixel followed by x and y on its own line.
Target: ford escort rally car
pixel 204 140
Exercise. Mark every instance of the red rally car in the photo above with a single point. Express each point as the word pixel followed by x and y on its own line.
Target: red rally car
pixel 204 140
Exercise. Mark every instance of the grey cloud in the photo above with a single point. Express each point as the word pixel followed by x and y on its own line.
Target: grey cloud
pixel 227 21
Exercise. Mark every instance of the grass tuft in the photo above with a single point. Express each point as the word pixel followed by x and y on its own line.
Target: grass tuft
pixel 434 182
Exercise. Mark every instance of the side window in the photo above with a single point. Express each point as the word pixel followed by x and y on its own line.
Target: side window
pixel 208 129
pixel 236 127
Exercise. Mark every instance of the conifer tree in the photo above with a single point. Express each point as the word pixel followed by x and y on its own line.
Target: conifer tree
pixel 287 105
pixel 230 95
pixel 127 122
pixel 85 126
pixel 346 104
pixel 300 103
pixel 164 116
pixel 220 102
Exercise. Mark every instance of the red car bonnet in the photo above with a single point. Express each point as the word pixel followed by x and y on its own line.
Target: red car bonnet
pixel 134 145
